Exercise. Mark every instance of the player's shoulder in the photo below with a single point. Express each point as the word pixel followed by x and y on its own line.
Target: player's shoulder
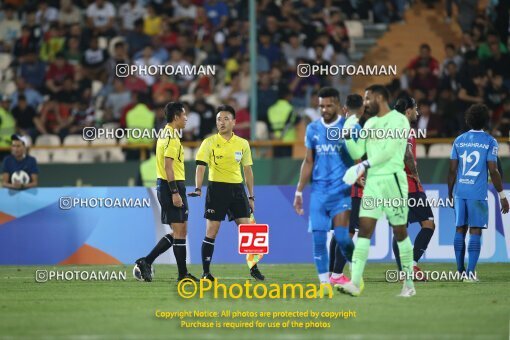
pixel 241 140
pixel 31 159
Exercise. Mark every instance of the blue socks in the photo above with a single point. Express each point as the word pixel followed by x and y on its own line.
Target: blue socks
pixel 460 250
pixel 474 252
pixel 320 251
pixel 344 241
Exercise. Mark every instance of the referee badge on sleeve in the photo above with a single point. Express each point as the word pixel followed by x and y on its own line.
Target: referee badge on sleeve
pixel 238 155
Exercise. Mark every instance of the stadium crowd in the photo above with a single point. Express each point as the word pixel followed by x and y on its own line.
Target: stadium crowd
pixel 62 55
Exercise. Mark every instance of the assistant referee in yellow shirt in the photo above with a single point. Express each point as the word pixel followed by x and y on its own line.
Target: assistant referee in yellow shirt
pixel 224 153
pixel 171 193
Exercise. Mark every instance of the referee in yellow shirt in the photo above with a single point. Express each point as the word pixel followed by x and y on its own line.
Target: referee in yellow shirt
pixel 224 153
pixel 171 193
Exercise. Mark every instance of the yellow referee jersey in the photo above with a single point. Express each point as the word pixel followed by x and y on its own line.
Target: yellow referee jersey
pixel 224 157
pixel 169 145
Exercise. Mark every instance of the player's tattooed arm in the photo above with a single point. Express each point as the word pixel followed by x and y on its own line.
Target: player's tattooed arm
pixel 410 163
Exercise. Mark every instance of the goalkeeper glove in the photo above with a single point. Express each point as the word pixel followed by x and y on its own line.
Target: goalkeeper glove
pixel 355 172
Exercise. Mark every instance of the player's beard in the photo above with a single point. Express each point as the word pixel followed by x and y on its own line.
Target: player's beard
pixel 372 110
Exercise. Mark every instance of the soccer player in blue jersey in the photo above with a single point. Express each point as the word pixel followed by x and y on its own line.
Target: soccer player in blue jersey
pixel 325 164
pixel 474 156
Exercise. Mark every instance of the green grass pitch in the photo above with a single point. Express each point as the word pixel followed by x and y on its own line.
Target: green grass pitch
pixel 126 309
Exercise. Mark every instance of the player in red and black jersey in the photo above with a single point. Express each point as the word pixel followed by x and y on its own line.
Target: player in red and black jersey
pixel 419 208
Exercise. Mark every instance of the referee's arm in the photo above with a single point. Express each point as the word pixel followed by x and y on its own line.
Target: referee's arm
pixel 202 157
pixel 169 170
pixel 248 178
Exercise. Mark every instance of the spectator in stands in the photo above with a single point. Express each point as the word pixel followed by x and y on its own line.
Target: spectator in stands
pixel 234 90
pixel 499 63
pixel 312 112
pixel 117 100
pixel 53 43
pixel 35 28
pixel 33 97
pixel 82 84
pixel 72 52
pixel 25 45
pixel 485 50
pixel 192 129
pixel 242 126
pixel 7 125
pixel 293 50
pixel 447 112
pixel 427 121
pixel 46 15
pixel 467 44
pixel 151 21
pixel 217 12
pixel 164 90
pixel 471 67
pixel 451 56
pixel 282 122
pixel 101 18
pixel 424 58
pixel 184 10
pixel 68 93
pixel 94 61
pixel 327 51
pixel 495 92
pixel 19 163
pixel 140 117
pixel 302 87
pixel 33 71
pixel 80 117
pixel 27 122
pixel 467 13
pixel 267 95
pixel 55 118
pixel 206 112
pixel 59 70
pixel 10 29
pixel 69 14
pixel 450 79
pixel 503 125
pixel 267 49
pixel 147 59
pixel 129 12
pixel 177 60
pixel 137 39
pixel 471 92
pixel 120 56
pixel 425 80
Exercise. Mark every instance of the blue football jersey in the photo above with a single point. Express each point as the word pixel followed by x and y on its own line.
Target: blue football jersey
pixel 473 149
pixel 331 159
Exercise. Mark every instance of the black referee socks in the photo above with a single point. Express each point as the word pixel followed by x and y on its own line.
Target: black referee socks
pixel 207 252
pixel 163 245
pixel 180 256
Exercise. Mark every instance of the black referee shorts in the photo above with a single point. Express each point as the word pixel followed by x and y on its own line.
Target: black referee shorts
pixel 169 212
pixel 354 218
pixel 226 198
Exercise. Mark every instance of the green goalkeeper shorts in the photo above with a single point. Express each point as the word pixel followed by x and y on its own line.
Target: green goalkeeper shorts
pixel 385 194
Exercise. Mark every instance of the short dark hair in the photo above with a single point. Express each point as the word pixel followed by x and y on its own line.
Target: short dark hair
pixel 354 101
pixel 379 89
pixel 477 116
pixel 172 110
pixel 427 46
pixel 329 92
pixel 404 103
pixel 227 108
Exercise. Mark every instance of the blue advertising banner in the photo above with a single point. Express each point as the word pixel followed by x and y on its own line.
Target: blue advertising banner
pixel 99 225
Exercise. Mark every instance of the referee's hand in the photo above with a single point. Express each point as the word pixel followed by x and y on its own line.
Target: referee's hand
pixel 177 200
pixel 196 193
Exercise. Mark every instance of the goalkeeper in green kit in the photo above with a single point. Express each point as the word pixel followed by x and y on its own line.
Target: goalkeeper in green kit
pixel 384 140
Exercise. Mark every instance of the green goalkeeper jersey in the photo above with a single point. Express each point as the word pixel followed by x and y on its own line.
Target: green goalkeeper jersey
pixel 384 140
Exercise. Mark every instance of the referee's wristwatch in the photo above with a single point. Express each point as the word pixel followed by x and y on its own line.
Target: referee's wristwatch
pixel 252 198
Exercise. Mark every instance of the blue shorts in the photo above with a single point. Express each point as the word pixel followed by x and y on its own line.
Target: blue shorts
pixel 323 207
pixel 473 213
